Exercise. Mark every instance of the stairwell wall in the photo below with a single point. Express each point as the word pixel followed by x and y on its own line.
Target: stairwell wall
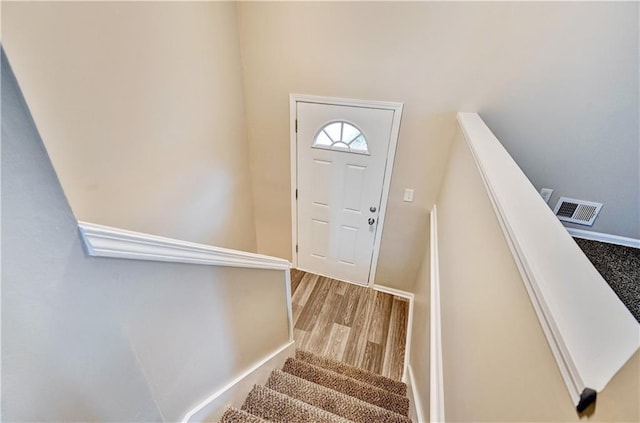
pixel 140 105
pixel 558 81
pixel 497 362
pixel 101 339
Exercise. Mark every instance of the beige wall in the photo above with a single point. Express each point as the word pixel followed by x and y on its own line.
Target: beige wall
pixel 109 340
pixel 560 65
pixel 140 105
pixel 497 362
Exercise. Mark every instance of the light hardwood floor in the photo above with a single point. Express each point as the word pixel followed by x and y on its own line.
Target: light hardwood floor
pixel 350 323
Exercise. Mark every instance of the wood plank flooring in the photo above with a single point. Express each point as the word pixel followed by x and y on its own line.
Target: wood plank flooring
pixel 350 323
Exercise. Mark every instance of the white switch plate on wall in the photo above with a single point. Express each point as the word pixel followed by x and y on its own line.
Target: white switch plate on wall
pixel 546 194
pixel 408 195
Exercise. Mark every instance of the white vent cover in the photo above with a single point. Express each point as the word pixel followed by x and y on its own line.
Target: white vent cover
pixel 577 211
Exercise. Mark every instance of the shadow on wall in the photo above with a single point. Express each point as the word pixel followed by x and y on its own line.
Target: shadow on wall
pixel 99 339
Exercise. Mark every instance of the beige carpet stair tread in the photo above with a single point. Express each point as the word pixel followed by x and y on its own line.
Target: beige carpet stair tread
pixel 393 386
pixel 233 415
pixel 332 401
pixel 347 385
pixel 276 407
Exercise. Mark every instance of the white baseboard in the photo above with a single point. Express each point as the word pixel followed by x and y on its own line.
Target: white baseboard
pixel 235 392
pixel 413 392
pixel 409 296
pixel 393 291
pixel 608 238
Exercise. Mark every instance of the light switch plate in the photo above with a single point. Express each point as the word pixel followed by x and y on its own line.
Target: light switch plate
pixel 545 193
pixel 408 195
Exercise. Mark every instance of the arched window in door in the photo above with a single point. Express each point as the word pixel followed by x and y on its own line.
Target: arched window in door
pixel 341 136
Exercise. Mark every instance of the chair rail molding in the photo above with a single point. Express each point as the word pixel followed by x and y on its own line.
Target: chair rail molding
pixel 106 241
pixel 590 332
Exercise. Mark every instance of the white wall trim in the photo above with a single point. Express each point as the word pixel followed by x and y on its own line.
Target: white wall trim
pixel 352 102
pixel 590 332
pixel 287 284
pixel 602 237
pixel 105 241
pixel 393 291
pixel 415 393
pixel 410 297
pixel 391 153
pixel 293 160
pixel 234 392
pixel 436 371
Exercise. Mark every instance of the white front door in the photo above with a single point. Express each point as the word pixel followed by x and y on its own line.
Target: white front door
pixel 341 159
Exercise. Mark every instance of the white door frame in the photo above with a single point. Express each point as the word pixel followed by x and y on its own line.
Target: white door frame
pixel 391 153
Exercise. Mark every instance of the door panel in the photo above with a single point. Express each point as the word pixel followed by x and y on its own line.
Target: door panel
pixel 337 185
pixel 353 186
pixel 319 238
pixel 348 245
pixel 322 171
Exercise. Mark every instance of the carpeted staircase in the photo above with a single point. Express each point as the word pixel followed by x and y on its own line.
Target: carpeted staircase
pixel 311 388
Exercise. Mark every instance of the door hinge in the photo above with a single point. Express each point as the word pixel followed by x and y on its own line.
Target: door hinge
pixel 296 248
pixel 296 193
pixel 296 126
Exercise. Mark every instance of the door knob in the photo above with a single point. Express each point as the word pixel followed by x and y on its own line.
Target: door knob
pixel 372 209
pixel 371 221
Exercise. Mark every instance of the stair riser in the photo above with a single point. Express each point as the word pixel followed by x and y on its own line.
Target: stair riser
pixel 314 389
pixel 348 386
pixel 332 401
pixel 379 381
pixel 276 407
